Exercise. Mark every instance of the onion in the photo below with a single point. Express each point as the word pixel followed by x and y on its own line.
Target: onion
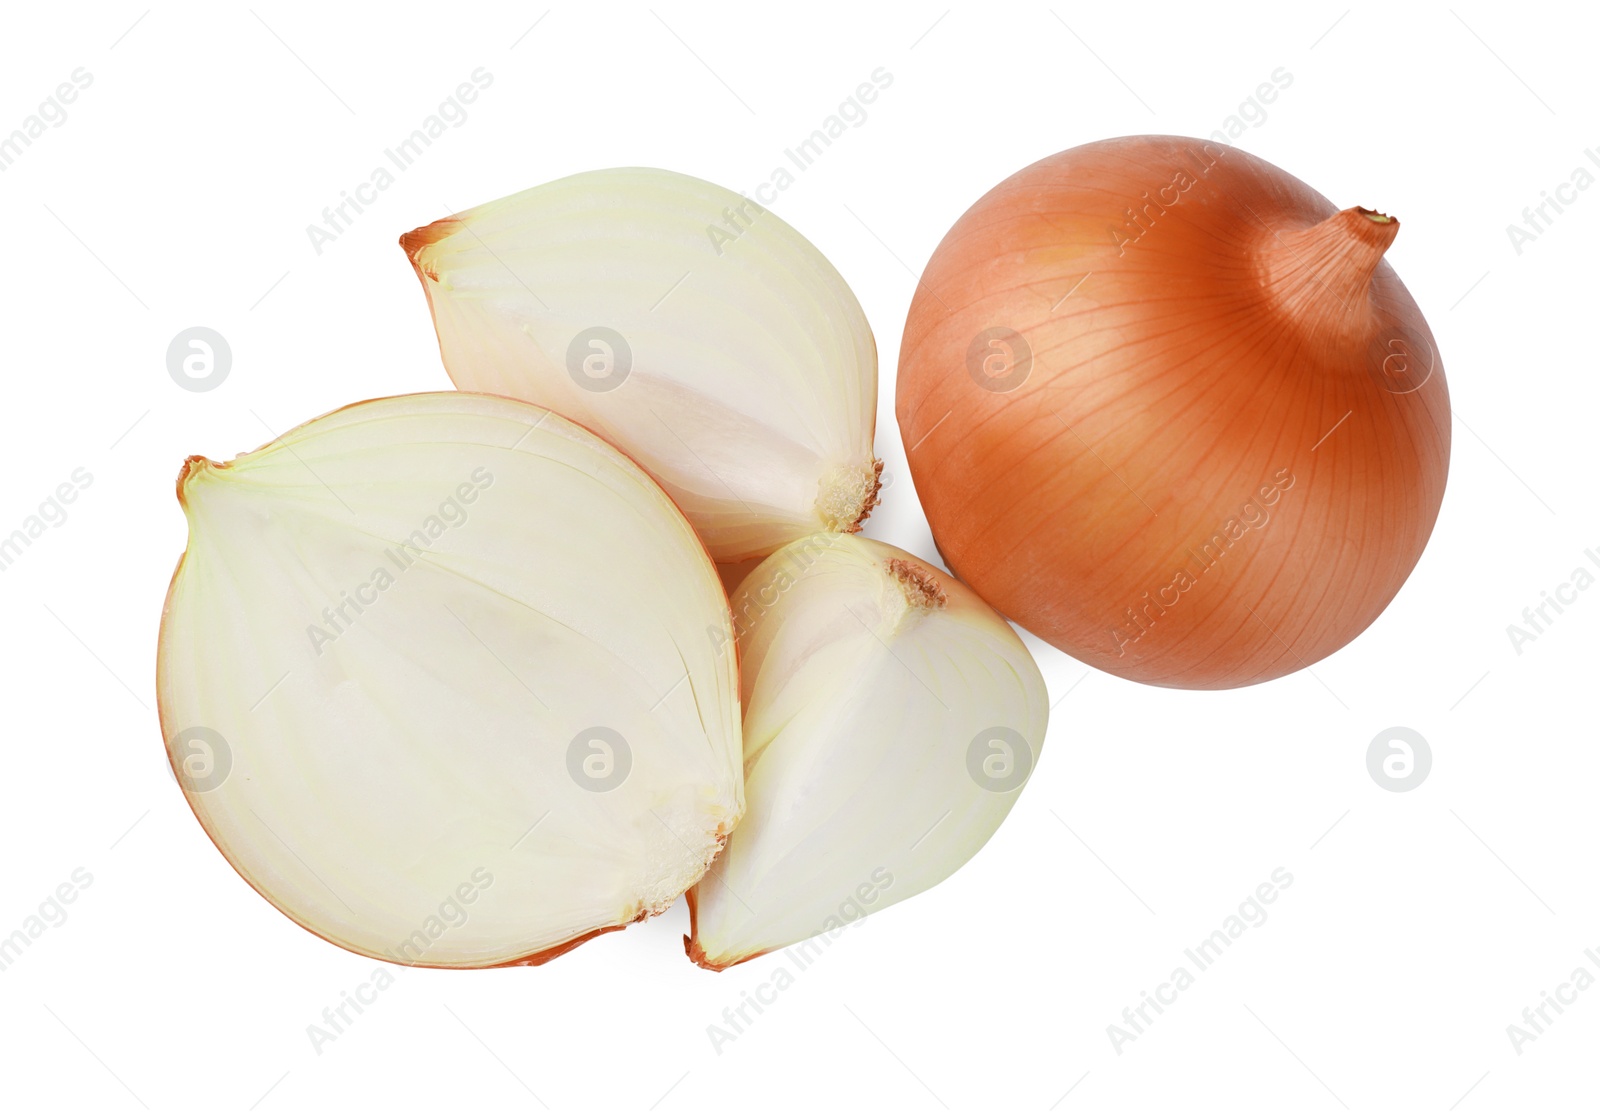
pixel 683 323
pixel 891 721
pixel 446 661
pixel 1170 410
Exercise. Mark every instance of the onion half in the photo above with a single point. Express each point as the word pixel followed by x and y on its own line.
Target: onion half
pixel 436 674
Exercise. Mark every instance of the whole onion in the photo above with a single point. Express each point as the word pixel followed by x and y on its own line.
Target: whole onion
pixel 1169 409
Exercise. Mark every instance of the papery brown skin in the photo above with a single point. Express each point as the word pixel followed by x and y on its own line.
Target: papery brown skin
pixel 1237 331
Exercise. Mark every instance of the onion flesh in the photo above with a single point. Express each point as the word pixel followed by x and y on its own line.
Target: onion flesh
pixel 683 323
pixel 442 646
pixel 892 719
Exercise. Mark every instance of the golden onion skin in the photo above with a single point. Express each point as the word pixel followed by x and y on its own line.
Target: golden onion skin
pixel 1168 408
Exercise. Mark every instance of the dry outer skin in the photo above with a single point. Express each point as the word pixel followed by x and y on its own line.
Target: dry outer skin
pixel 1171 411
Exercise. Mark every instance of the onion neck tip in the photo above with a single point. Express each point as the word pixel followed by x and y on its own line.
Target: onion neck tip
pixel 418 240
pixel 698 955
pixel 1322 275
pixel 194 466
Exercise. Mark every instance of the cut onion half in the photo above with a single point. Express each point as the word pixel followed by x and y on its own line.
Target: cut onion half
pixel 440 676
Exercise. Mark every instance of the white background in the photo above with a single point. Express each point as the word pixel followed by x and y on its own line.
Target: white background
pixel 1419 925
